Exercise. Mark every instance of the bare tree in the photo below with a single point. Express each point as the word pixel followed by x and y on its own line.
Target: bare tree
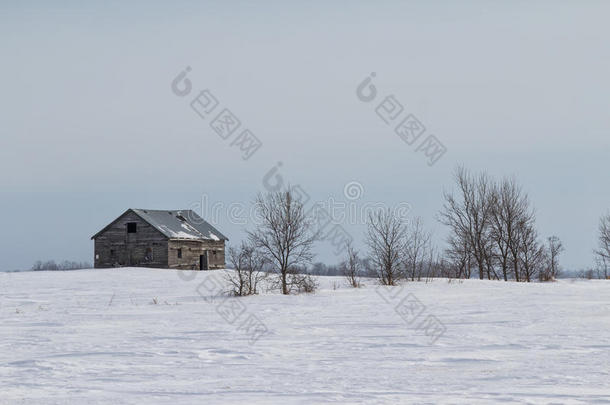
pixel 386 238
pixel 553 249
pixel 249 264
pixel 510 209
pixel 238 279
pixel 351 267
pixel 531 253
pixel 460 257
pixel 417 249
pixel 602 253
pixel 284 236
pixel 469 215
pixel 492 228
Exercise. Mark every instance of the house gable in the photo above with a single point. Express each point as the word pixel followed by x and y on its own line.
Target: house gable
pixel 120 219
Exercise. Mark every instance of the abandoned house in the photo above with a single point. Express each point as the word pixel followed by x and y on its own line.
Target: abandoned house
pixel 161 239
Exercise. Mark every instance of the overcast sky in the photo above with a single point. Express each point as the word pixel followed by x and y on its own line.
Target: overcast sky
pixel 90 126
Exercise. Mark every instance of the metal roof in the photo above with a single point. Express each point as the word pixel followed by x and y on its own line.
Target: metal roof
pixel 181 224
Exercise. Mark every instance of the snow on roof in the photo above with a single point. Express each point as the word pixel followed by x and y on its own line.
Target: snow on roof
pixel 183 224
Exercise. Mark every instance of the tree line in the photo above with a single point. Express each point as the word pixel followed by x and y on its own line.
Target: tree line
pixel 493 231
pixel 51 265
pixel 492 235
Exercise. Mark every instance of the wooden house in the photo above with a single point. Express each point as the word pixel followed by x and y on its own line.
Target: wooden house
pixel 161 239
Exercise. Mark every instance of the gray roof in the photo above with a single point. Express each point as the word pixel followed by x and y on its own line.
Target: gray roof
pixel 181 224
pixel 184 224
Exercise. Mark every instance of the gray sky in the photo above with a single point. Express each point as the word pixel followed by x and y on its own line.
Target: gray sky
pixel 89 125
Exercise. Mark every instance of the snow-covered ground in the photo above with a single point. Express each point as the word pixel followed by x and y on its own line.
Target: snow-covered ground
pixel 97 336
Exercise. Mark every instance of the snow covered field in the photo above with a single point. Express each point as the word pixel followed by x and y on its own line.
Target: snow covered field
pixel 97 336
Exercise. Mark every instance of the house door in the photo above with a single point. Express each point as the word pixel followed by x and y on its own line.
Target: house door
pixel 203 261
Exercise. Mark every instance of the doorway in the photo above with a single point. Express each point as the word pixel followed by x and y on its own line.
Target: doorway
pixel 203 261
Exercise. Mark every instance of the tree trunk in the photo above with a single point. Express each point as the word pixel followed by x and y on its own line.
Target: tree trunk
pixel 284 282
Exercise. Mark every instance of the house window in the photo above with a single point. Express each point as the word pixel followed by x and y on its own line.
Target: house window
pixel 112 253
pixel 149 254
pixel 132 227
pixel 179 251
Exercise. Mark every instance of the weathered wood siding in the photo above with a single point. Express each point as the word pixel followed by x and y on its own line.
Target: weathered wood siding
pixel 193 250
pixel 147 247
